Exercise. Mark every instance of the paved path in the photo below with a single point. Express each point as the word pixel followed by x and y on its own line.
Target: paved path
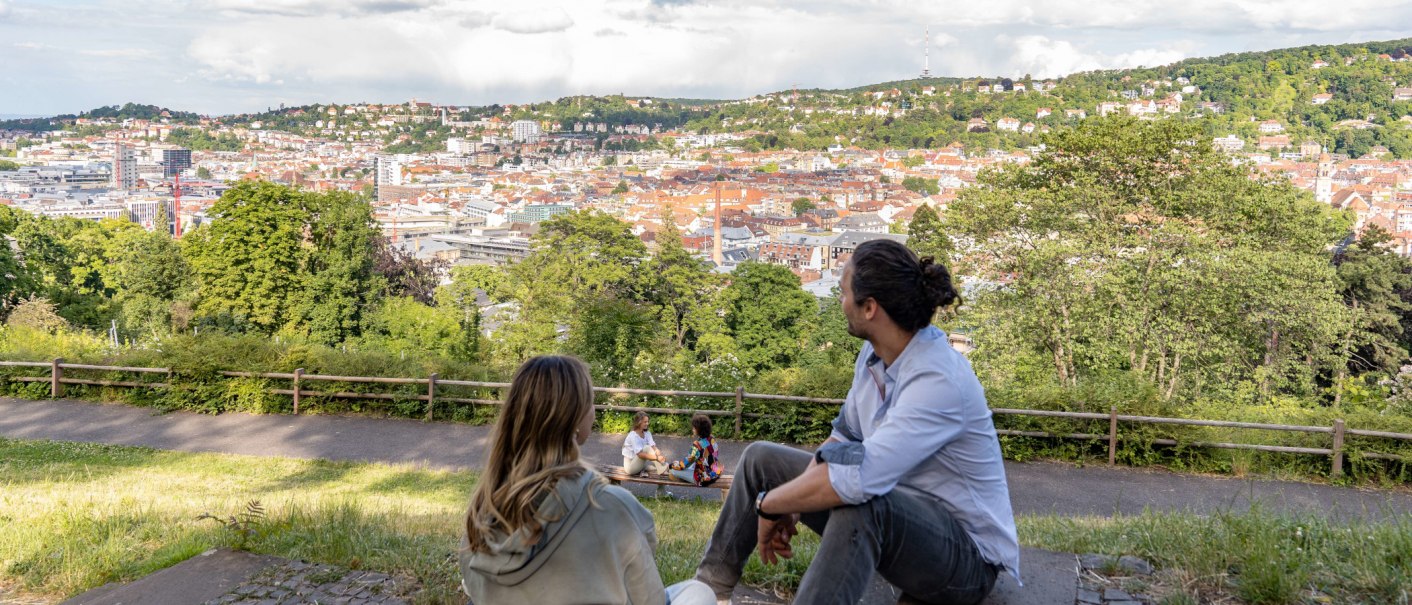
pixel 1035 487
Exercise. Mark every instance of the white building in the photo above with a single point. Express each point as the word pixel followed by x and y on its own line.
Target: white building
pixel 387 171
pixel 460 146
pixel 526 131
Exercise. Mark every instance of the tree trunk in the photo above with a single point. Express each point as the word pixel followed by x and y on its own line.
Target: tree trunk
pixel 1172 386
pixel 1271 345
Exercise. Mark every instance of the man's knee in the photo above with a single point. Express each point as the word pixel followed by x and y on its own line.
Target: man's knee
pixel 761 456
pixel 853 515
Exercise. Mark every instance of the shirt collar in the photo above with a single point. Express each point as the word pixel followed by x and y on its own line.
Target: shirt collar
pixel 926 334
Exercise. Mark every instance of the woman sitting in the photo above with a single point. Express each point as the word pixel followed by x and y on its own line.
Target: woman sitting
pixel 703 465
pixel 640 451
pixel 544 528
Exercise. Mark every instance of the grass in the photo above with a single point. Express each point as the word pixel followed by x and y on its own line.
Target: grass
pixel 75 516
pixel 1253 557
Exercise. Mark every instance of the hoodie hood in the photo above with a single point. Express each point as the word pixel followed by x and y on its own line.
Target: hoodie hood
pixel 514 557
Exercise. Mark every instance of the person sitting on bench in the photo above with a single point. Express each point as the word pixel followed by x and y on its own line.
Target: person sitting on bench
pixel 703 465
pixel 544 528
pixel 640 451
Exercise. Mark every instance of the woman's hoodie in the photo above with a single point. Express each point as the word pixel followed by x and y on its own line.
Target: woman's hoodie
pixel 597 553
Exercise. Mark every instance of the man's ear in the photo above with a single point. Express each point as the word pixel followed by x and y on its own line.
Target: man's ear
pixel 870 308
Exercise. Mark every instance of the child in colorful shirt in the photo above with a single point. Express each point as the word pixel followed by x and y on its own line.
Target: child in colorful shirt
pixel 703 465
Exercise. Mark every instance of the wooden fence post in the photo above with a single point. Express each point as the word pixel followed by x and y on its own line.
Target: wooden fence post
pixel 298 378
pixel 1337 470
pixel 739 406
pixel 1112 435
pixel 431 394
pixel 56 374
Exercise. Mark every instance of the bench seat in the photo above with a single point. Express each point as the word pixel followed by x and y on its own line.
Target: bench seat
pixel 617 474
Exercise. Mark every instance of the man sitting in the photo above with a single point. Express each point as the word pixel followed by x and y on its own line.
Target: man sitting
pixel 910 483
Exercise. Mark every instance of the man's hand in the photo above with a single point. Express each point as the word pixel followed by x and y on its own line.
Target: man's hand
pixel 774 537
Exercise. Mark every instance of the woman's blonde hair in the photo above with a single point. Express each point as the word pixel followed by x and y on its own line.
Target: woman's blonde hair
pixel 534 446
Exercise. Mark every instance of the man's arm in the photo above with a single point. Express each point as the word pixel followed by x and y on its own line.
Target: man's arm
pixel 807 493
pixel 927 413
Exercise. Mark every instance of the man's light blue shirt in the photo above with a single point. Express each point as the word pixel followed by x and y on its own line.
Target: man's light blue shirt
pixel 922 425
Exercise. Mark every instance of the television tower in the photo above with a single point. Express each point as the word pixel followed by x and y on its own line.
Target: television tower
pixel 926 55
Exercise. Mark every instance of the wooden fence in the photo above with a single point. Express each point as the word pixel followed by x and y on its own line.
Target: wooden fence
pixel 1338 431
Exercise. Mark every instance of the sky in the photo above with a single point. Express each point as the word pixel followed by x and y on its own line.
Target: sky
pixel 228 56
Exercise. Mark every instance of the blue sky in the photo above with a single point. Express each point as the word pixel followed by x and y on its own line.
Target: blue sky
pixel 224 56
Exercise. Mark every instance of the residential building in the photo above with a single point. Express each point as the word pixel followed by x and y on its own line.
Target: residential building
pixel 124 167
pixel 174 161
pixel 535 213
pixel 387 172
pixel 526 131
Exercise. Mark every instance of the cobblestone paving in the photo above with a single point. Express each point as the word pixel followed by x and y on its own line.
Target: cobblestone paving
pixel 298 583
pixel 1112 581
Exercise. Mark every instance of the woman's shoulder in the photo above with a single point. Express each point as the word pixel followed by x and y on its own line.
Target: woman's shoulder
pixel 607 494
pixel 614 500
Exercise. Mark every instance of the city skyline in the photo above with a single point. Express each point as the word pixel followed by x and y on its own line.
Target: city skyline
pixel 231 56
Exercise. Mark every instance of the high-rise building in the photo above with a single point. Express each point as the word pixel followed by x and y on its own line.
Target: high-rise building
pixel 174 161
pixel 124 167
pixel 526 131
pixel 387 171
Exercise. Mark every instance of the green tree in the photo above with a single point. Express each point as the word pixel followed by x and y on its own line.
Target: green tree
pixel 151 276
pixel 1372 282
pixel 1132 246
pixel 767 313
pixel 16 282
pixel 466 279
pixel 340 283
pixel 400 324
pixel 621 188
pixel 203 172
pixel 683 288
pixel 39 314
pixel 802 205
pixel 247 262
pixel 925 235
pixel 921 185
pixel 575 258
pixel 609 333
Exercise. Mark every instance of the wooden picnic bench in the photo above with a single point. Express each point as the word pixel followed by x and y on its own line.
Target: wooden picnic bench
pixel 617 475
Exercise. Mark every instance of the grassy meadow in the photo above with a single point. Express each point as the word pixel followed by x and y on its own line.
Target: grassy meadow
pixel 74 516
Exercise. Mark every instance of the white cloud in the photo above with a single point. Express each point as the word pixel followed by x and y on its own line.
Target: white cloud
pixel 310 8
pixel 248 54
pixel 1043 57
pixel 534 22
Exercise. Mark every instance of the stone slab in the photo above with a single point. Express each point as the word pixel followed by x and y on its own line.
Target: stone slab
pixel 1051 578
pixel 196 580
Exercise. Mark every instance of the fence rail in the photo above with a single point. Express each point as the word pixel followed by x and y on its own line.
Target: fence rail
pixel 1336 451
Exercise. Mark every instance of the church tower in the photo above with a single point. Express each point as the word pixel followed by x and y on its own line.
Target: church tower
pixel 1324 181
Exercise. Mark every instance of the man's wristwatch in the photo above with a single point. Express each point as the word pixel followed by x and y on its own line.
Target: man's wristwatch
pixel 759 501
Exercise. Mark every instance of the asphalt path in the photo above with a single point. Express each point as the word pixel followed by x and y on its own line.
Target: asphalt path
pixel 1035 487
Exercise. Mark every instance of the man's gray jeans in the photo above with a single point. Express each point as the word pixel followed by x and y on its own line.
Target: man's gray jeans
pixel 912 541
